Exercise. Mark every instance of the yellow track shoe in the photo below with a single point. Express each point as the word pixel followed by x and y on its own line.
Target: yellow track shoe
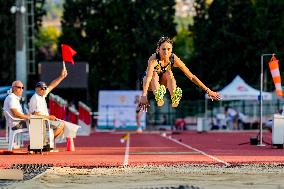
pixel 159 95
pixel 177 94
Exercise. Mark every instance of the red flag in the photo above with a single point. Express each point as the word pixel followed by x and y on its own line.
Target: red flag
pixel 67 53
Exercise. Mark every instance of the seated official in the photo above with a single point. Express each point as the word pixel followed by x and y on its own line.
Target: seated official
pixel 13 106
pixel 38 105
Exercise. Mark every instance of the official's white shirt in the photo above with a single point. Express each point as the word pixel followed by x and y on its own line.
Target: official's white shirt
pixel 38 104
pixel 12 101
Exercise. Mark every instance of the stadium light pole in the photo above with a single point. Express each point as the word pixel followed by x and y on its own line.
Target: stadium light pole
pixel 261 99
pixel 21 60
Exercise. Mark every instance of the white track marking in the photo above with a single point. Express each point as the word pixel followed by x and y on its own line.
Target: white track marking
pixel 126 154
pixel 189 147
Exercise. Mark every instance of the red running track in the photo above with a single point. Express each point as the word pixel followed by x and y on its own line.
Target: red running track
pixel 105 149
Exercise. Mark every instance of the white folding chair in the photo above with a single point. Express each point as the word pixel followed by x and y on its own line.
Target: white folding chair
pixel 14 136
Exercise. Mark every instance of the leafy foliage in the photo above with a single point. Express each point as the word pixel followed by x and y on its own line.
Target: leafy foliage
pixel 7 57
pixel 222 39
pixel 183 48
pixel 116 37
pixel 230 36
pixel 8 38
pixel 46 42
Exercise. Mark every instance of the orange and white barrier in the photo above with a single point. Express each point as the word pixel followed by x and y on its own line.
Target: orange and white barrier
pixel 51 103
pixel 73 115
pixel 274 69
pixel 57 106
pixel 84 120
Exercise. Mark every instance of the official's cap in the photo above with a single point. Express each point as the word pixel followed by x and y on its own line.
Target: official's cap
pixel 41 84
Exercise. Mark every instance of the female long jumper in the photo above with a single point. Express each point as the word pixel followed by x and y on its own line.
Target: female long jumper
pixel 159 76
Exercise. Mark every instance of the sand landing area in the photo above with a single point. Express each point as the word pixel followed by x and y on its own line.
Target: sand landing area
pixel 152 161
pixel 157 177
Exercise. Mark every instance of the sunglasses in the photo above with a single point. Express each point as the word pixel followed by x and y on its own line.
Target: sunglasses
pixel 18 87
pixel 43 88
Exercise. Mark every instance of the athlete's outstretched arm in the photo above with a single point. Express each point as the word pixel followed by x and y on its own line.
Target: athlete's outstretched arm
pixel 149 76
pixel 194 79
pixel 144 104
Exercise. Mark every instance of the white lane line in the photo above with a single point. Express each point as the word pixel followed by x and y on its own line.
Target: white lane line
pixel 126 154
pixel 189 147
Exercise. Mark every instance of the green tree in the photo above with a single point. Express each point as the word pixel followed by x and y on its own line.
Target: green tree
pixel 230 36
pixel 7 57
pixel 268 34
pixel 46 42
pixel 7 21
pixel 224 42
pixel 183 48
pixel 116 37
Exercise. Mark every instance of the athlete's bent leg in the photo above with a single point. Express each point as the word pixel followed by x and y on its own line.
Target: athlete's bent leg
pixel 176 92
pixel 158 90
pixel 170 81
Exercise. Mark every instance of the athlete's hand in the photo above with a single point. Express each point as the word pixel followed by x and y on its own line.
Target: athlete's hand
pixel 214 95
pixel 143 103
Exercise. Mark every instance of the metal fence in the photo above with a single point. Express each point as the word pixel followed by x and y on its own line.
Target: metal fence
pixel 167 115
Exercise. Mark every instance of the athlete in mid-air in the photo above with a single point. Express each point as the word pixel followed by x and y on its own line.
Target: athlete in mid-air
pixel 159 76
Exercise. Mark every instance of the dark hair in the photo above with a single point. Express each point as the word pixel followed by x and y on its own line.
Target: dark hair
pixel 162 40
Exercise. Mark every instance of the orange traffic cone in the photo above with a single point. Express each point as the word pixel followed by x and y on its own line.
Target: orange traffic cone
pixel 70 145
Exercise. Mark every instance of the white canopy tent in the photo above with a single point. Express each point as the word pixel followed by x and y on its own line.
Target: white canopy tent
pixel 238 89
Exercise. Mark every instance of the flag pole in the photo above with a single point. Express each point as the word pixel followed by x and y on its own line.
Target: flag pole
pixel 261 99
pixel 64 66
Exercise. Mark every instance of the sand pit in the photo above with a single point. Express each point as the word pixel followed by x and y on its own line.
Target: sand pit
pixel 199 176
